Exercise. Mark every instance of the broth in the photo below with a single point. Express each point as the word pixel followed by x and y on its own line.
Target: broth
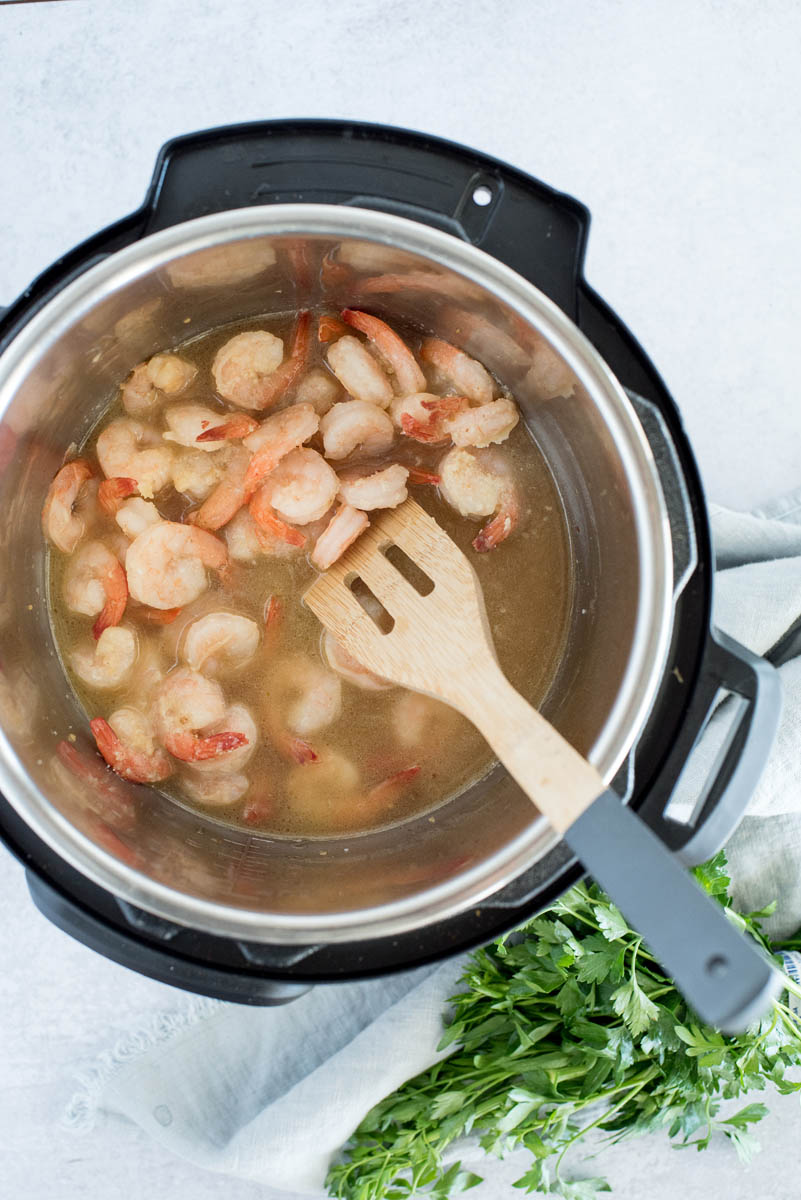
pixel 527 588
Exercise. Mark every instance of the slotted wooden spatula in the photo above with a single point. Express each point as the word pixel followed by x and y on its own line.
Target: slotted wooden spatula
pixel 441 644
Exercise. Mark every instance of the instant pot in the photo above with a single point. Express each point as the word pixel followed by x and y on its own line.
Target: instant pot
pixel 276 216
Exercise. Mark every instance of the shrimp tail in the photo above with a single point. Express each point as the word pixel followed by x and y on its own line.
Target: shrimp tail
pixel 498 529
pixel 190 748
pixel 330 328
pixel 156 616
pixel 257 808
pixel 417 475
pixel 239 426
pixel 112 492
pixel 288 374
pixel 115 585
pixel 264 516
pixel 273 618
pixel 129 764
pixel 389 789
pixel 301 751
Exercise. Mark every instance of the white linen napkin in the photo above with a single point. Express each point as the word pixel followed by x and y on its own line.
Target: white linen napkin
pixel 271 1094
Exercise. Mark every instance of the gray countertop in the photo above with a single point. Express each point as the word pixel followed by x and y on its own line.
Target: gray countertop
pixel 676 124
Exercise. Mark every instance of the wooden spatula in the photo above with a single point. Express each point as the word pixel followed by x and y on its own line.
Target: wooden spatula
pixel 441 644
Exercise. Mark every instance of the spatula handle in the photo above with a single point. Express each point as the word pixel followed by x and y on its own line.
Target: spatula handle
pixel 724 976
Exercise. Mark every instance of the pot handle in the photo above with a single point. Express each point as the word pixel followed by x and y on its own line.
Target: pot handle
pixel 539 232
pixel 738 704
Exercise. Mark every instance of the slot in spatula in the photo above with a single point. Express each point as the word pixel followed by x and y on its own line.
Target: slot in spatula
pixel 440 643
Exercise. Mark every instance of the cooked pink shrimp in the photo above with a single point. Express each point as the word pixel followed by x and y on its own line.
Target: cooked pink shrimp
pixel 358 372
pixel 275 438
pixel 396 354
pixel 187 704
pixel 340 532
pixel 463 372
pixel 239 425
pixel 136 515
pixel 301 489
pixel 127 742
pixel 219 641
pixel 228 496
pixel 319 797
pixel 308 695
pixel 218 791
pixel 61 524
pixel 95 583
pixel 247 541
pixel 188 425
pixel 484 424
pixel 385 488
pixel 384 794
pixel 166 564
pixel 107 663
pixel 237 719
pixel 129 449
pixel 479 484
pixel 112 492
pixel 417 719
pixel 319 389
pixel 424 416
pixel 248 370
pixel 165 373
pixel 356 424
pixel 196 474
pixel 350 668
pixel 261 510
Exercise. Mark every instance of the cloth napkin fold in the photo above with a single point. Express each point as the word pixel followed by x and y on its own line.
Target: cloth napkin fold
pixel 271 1094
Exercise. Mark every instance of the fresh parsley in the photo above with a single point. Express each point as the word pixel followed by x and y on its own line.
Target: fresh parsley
pixel 565 1027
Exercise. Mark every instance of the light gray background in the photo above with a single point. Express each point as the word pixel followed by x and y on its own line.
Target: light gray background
pixel 677 124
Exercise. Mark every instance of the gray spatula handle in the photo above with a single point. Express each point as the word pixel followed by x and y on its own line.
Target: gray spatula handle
pixel 724 976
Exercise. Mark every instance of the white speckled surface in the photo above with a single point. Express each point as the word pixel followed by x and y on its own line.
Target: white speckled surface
pixel 676 124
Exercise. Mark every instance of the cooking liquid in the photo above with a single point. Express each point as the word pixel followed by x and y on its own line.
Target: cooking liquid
pixel 527 588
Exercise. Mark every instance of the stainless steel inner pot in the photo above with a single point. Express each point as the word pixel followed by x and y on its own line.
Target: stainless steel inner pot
pixel 55 378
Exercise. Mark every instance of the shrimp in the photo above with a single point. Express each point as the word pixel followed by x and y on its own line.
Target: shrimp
pixel 248 541
pixel 220 641
pixel 236 721
pixel 165 373
pixel 250 371
pixel 127 742
pixel 301 489
pixel 319 798
pixel 423 416
pixel 393 350
pixel 228 496
pixel 237 426
pixel 485 424
pixel 195 474
pixel 95 583
pixel 275 438
pixel 319 389
pixel 61 524
pixel 235 262
pixel 330 328
pixel 463 372
pixel 107 663
pixel 350 668
pixel 166 564
pixel 112 492
pixel 358 372
pixel 218 791
pixel 417 718
pixel 382 489
pixel 340 532
pixel 308 694
pixel 188 425
pixel 132 450
pixel 479 484
pixel 356 424
pixel 137 515
pixel 187 704
pixel 549 376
